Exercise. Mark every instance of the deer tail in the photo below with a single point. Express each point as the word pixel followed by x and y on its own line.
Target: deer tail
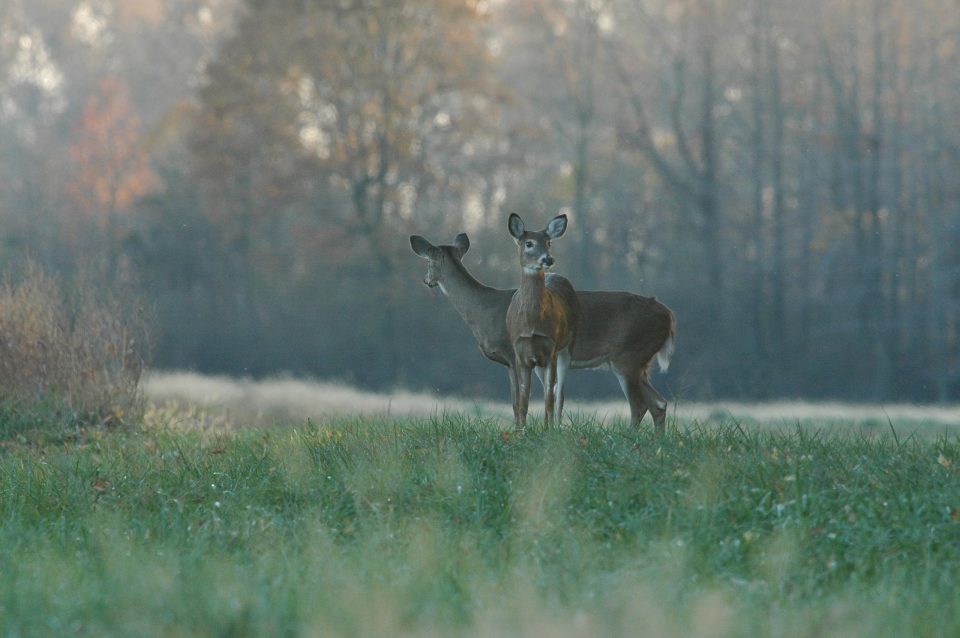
pixel 666 350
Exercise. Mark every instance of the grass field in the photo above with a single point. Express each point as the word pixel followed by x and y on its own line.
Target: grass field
pixel 352 526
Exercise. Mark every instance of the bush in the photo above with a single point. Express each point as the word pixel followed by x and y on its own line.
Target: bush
pixel 75 353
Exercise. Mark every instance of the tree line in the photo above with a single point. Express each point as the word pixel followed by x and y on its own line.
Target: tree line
pixel 781 174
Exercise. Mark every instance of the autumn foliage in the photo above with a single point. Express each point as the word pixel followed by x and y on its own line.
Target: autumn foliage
pixel 779 173
pixel 111 169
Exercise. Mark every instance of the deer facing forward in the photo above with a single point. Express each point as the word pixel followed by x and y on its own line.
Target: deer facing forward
pixel 541 319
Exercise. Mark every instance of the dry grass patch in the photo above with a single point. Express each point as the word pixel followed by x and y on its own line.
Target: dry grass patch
pixel 69 350
pixel 246 402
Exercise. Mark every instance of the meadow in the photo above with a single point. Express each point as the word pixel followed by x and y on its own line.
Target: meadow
pixel 182 524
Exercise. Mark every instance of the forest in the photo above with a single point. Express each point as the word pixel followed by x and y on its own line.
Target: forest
pixel 781 174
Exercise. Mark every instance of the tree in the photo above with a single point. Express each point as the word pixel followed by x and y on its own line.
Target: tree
pixel 557 68
pixel 368 105
pixel 110 165
pixel 688 158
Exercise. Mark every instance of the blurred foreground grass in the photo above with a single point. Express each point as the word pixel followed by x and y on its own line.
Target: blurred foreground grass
pixel 445 526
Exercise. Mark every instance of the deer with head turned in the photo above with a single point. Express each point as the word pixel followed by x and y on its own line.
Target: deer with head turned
pixel 541 320
pixel 617 330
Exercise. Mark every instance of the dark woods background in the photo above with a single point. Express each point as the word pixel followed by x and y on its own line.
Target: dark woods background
pixel 783 174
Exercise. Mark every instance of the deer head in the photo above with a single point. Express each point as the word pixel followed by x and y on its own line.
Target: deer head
pixel 438 256
pixel 534 246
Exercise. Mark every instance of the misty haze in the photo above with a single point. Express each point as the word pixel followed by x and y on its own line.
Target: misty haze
pixel 480 318
pixel 779 174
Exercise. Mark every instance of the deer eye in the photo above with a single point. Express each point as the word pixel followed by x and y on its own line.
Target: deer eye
pixel 529 244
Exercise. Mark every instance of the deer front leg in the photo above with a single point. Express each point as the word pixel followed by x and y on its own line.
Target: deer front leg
pixel 523 396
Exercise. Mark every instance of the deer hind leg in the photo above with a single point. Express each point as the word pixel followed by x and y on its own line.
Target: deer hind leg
pixel 563 364
pixel 656 403
pixel 629 384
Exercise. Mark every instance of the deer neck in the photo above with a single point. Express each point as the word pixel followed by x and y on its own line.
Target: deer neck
pixel 533 287
pixel 468 296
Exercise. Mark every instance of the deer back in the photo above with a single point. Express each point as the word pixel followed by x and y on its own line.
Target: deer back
pixel 620 326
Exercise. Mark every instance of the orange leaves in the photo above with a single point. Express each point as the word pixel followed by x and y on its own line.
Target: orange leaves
pixel 111 169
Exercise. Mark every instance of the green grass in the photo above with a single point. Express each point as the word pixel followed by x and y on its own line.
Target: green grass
pixel 446 527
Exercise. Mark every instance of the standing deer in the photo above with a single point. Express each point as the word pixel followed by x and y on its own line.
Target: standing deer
pixel 619 330
pixel 541 320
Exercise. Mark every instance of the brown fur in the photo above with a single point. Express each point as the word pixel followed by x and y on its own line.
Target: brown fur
pixel 617 329
pixel 541 320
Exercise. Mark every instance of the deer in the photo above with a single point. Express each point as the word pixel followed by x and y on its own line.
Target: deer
pixel 621 331
pixel 541 320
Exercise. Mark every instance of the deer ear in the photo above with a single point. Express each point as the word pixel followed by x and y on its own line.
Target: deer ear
pixel 515 225
pixel 557 226
pixel 462 243
pixel 422 247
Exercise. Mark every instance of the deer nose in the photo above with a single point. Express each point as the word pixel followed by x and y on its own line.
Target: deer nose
pixel 547 261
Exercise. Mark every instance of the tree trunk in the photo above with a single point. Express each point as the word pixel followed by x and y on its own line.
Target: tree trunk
pixel 581 175
pixel 779 279
pixel 709 187
pixel 876 306
pixel 758 152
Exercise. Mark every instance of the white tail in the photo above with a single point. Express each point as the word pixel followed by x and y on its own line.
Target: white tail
pixel 666 352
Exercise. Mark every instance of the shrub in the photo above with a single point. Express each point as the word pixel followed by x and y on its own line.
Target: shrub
pixel 71 352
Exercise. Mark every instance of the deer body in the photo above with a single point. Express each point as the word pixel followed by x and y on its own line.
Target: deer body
pixel 541 320
pixel 625 332
pixel 619 330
